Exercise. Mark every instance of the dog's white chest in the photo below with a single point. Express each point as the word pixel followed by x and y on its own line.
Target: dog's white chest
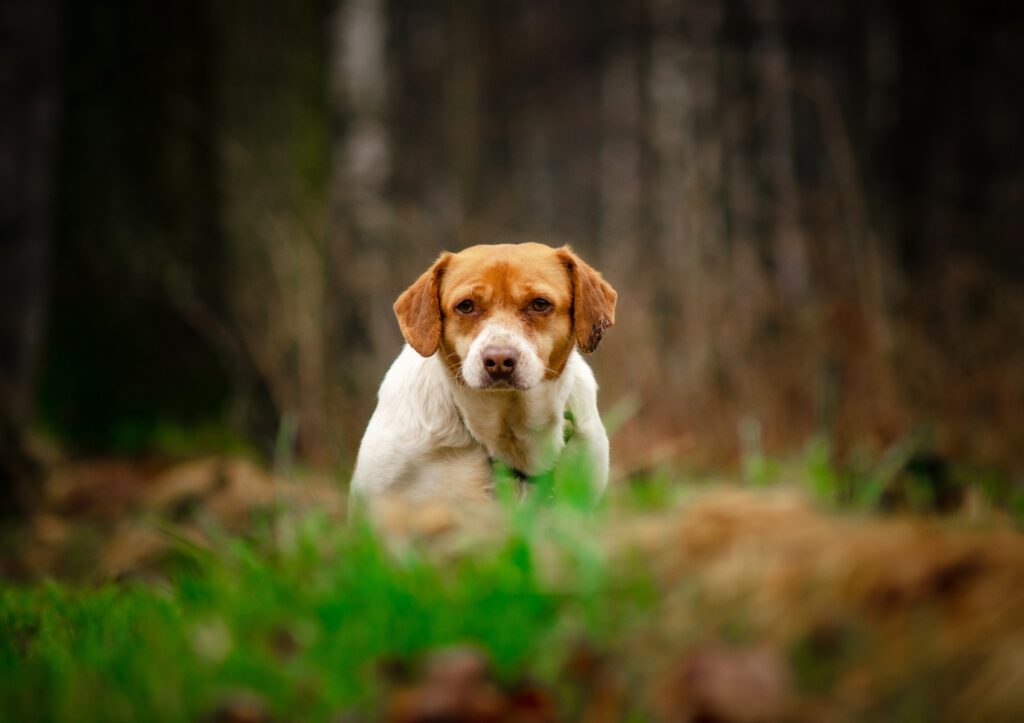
pixel 522 429
pixel 430 437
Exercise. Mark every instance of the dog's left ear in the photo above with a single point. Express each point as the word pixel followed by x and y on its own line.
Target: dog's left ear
pixel 419 309
pixel 593 301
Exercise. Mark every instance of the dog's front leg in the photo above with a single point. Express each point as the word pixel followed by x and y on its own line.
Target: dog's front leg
pixel 588 447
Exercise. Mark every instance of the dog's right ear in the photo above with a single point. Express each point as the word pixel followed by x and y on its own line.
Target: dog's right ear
pixel 419 309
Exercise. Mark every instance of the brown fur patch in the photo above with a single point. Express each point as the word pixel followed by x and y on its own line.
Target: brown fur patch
pixel 418 310
pixel 593 301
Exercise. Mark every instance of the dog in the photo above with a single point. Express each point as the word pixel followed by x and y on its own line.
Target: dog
pixel 492 371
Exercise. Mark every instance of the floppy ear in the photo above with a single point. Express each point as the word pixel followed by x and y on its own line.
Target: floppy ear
pixel 593 301
pixel 419 309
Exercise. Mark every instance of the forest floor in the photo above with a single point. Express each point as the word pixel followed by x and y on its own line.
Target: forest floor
pixel 216 590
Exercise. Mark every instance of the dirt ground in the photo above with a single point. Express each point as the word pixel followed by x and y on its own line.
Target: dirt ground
pixel 110 518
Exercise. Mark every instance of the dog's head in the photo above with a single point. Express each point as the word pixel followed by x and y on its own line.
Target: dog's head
pixel 507 316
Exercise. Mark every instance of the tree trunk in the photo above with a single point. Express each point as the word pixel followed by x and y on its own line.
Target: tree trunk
pixel 29 98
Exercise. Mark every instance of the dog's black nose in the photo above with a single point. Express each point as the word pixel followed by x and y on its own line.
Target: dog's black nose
pixel 500 361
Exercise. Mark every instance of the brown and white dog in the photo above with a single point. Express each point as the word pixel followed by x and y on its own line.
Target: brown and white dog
pixel 491 369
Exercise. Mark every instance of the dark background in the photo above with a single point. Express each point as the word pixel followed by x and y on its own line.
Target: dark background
pixel 812 212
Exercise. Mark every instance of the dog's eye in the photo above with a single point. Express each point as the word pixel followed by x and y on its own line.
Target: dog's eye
pixel 540 305
pixel 465 306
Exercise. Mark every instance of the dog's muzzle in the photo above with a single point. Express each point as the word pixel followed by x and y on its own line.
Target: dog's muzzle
pixel 500 358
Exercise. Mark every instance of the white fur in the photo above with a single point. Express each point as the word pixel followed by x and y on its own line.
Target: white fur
pixel 529 370
pixel 432 436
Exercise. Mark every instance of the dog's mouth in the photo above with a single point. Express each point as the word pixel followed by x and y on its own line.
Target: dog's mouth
pixel 483 383
pixel 499 385
pixel 510 384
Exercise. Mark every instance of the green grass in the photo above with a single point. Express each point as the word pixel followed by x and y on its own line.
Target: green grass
pixel 301 612
pixel 304 610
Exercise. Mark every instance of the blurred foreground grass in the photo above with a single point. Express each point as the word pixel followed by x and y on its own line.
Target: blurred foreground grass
pixel 661 603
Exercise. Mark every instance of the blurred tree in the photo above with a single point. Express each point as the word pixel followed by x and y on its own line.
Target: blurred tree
pixel 812 210
pixel 362 228
pixel 138 219
pixel 275 158
pixel 762 179
pixel 29 103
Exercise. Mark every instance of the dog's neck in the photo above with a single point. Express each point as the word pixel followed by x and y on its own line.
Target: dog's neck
pixel 523 429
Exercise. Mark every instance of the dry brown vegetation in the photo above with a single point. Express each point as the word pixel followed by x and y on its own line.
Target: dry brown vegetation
pixel 760 606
